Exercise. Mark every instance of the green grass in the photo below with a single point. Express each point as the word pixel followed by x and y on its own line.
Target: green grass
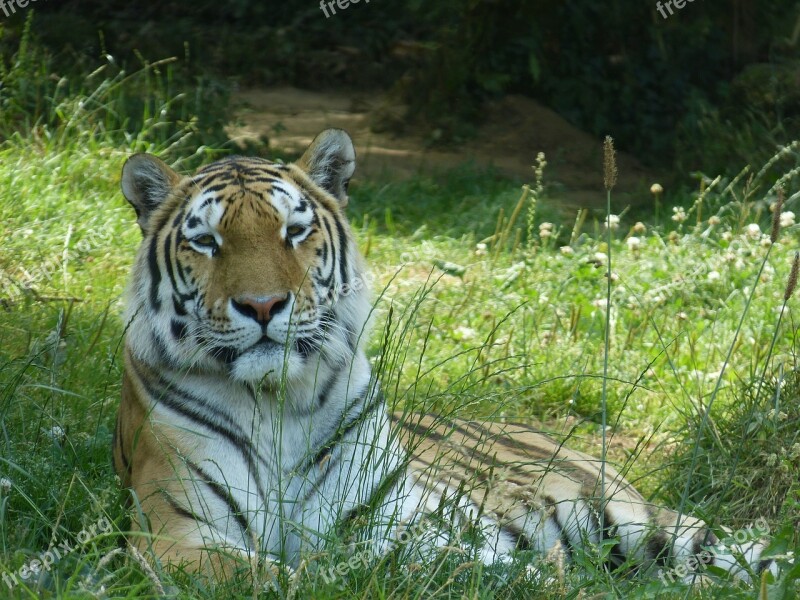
pixel 482 320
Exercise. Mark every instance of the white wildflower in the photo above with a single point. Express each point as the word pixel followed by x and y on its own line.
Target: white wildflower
pixel 714 220
pixel 678 214
pixel 545 227
pixel 480 249
pixel 794 451
pixel 612 222
pixel 600 257
pixel 753 231
pixel 787 219
pixel 6 484
pixel 782 416
pixel 56 433
pixel 713 275
pixel 634 243
pixel 464 333
pixel 639 228
pixel 567 250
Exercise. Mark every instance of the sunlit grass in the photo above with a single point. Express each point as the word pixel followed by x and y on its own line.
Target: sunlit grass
pixel 517 335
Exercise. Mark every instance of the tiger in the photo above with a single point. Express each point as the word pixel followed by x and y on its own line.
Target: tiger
pixel 251 425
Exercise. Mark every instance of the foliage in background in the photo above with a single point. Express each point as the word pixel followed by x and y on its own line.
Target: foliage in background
pixel 157 104
pixel 711 86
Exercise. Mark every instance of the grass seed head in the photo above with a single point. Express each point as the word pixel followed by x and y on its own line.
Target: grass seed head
pixel 776 217
pixel 792 283
pixel 609 164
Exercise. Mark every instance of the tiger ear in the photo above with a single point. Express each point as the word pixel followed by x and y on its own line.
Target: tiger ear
pixel 146 183
pixel 330 161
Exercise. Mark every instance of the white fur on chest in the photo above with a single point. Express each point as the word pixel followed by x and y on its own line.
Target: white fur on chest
pixel 296 465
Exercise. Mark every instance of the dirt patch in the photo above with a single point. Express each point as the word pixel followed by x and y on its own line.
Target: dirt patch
pixel 515 130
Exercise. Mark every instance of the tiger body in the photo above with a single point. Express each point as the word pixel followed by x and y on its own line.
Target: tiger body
pixel 251 424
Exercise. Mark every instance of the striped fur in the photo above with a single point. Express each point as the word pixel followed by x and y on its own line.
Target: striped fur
pixel 530 492
pixel 250 423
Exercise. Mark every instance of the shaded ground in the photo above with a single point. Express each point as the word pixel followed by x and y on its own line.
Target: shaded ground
pixel 515 130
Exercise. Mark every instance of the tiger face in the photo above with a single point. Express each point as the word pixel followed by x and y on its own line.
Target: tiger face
pixel 243 264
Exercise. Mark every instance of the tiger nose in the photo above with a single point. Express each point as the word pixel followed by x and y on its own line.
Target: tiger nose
pixel 260 308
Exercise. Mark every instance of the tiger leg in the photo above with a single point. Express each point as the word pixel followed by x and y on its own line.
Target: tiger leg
pixel 186 546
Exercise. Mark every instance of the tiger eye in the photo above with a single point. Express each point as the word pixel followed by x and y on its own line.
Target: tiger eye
pixel 205 240
pixel 293 230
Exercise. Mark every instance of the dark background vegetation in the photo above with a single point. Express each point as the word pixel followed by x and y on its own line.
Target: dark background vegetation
pixel 714 86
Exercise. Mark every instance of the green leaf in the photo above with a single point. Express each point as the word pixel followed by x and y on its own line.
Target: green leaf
pixel 534 67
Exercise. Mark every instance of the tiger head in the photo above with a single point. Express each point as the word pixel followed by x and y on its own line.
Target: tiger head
pixel 247 267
